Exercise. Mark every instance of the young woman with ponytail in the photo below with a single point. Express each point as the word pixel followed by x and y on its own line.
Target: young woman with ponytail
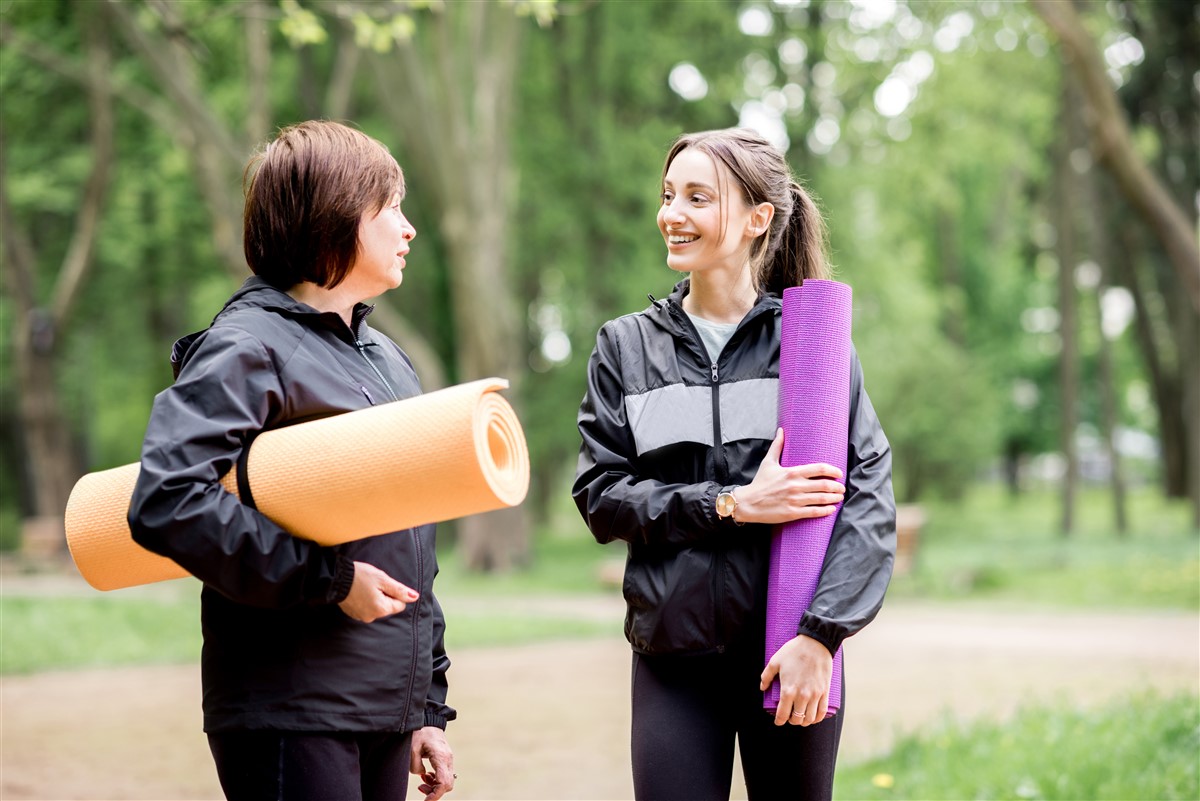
pixel 680 459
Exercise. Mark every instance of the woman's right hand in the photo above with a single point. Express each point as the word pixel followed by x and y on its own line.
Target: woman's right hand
pixel 781 494
pixel 374 595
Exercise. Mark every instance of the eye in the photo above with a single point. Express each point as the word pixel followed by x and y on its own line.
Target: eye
pixel 666 197
pixel 699 199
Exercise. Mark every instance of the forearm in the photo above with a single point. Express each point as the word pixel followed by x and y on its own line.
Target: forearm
pixel 646 511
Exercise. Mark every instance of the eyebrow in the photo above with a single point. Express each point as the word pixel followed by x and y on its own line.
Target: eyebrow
pixel 694 185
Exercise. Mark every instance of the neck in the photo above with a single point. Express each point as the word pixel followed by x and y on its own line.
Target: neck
pixel 720 296
pixel 324 300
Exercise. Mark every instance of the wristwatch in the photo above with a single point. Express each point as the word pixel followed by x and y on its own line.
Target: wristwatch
pixel 726 503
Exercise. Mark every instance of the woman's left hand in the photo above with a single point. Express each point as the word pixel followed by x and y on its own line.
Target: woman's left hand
pixel 804 668
pixel 437 778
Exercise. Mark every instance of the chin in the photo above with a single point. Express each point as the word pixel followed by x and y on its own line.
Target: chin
pixel 676 266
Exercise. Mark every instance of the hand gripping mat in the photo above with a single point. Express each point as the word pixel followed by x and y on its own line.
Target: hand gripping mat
pixel 814 413
pixel 454 452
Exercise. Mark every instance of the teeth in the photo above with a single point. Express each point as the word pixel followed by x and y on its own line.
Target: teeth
pixel 682 240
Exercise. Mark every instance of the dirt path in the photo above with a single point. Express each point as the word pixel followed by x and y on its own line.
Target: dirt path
pixel 550 720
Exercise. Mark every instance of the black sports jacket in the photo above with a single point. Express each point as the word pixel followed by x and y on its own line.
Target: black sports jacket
pixel 278 651
pixel 664 429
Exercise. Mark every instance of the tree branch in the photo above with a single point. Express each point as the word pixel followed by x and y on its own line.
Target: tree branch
pixel 1114 147
pixel 176 77
pixel 160 113
pixel 83 240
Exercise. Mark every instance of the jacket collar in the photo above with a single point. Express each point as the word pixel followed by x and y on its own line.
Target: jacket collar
pixel 668 313
pixel 257 293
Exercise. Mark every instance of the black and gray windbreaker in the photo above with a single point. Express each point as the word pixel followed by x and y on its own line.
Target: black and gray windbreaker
pixel 664 429
pixel 278 651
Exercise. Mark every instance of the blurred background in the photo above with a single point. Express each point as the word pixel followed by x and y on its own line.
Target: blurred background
pixel 1011 188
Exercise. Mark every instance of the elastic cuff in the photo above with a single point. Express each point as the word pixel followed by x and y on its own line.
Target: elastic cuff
pixel 343 580
pixel 828 634
pixel 434 719
pixel 708 499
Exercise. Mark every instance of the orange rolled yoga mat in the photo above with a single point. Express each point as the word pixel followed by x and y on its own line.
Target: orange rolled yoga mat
pixel 454 452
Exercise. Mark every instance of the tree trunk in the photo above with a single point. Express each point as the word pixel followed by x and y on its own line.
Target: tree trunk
pixel 952 291
pixel 1191 416
pixel 1164 384
pixel 1066 187
pixel 455 114
pixel 1108 418
pixel 1101 252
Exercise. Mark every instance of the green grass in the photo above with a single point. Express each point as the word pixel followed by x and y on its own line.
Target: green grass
pixel 49 633
pixel 475 630
pixel 1143 747
pixel 996 548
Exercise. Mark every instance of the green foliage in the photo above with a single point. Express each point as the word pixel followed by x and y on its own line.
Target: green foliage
pixel 1143 746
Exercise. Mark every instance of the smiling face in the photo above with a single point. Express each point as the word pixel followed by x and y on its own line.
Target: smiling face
pixel 383 242
pixel 704 218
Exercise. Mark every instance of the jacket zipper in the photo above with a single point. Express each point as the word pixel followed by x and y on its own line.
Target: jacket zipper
pixel 722 465
pixel 416 623
pixel 722 473
pixel 362 351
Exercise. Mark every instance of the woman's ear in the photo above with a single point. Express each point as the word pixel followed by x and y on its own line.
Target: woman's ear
pixel 760 219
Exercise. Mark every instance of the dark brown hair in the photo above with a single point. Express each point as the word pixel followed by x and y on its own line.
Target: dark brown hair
pixel 795 245
pixel 305 193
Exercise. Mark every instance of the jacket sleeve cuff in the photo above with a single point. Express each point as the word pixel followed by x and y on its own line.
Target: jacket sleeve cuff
pixel 708 505
pixel 343 579
pixel 435 719
pixel 828 634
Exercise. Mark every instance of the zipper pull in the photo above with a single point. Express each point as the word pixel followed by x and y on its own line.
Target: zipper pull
pixel 370 400
pixel 714 372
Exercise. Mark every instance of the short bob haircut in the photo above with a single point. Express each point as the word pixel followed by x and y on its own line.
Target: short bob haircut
pixel 306 192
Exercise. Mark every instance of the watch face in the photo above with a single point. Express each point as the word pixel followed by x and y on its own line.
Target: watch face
pixel 725 504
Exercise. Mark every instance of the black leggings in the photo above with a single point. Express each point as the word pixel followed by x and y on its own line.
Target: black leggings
pixel 312 766
pixel 686 712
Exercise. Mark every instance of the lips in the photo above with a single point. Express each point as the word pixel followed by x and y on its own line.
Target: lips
pixel 681 239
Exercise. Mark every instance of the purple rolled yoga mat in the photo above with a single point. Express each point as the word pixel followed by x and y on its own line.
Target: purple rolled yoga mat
pixel 814 413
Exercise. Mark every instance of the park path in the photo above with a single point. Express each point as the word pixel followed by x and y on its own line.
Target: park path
pixel 550 720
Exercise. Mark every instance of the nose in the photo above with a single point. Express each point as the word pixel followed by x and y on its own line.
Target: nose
pixel 672 213
pixel 407 230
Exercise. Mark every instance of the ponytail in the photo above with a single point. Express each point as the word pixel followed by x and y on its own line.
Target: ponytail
pixel 802 246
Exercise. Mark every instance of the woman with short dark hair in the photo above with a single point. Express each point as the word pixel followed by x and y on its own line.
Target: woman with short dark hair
pixel 323 668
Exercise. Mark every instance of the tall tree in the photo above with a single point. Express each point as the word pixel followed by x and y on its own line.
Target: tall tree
pixel 41 314
pixel 455 115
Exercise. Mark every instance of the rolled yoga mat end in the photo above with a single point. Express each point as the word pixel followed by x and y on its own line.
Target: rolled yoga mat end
pixel 98 535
